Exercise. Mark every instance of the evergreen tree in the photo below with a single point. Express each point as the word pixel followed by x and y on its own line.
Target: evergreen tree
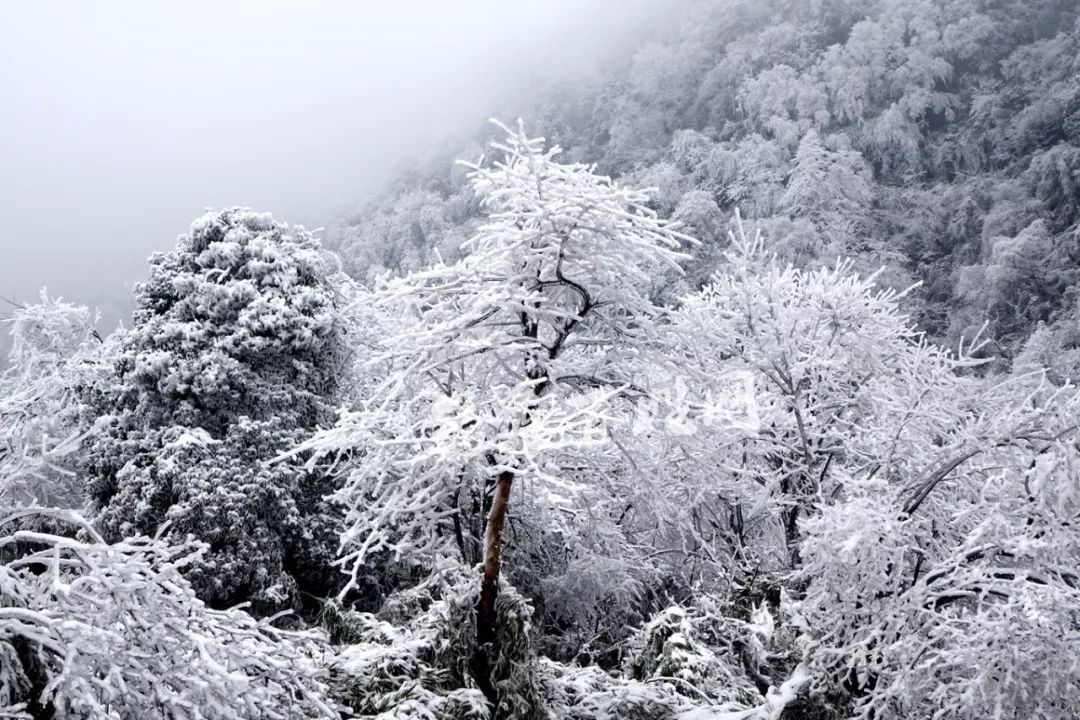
pixel 236 355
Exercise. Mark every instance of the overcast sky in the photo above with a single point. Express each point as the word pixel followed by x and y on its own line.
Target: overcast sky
pixel 121 121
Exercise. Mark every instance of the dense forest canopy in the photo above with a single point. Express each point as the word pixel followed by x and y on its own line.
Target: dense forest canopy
pixel 746 393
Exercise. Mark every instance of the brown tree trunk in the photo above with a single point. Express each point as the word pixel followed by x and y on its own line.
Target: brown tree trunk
pixel 487 649
pixel 489 586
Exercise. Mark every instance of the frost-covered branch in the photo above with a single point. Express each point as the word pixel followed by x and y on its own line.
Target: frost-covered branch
pixel 94 630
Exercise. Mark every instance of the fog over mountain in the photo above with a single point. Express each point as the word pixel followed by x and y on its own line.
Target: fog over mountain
pixel 120 122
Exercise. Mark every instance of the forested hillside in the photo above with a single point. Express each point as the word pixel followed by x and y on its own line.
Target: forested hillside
pixel 937 138
pixel 646 420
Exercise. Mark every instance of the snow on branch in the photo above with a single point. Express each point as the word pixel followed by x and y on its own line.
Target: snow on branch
pixel 89 629
pixel 477 378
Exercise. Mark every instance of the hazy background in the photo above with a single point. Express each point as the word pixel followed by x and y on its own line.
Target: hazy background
pixel 121 121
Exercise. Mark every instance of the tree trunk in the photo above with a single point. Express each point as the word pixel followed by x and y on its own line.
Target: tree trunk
pixel 487 645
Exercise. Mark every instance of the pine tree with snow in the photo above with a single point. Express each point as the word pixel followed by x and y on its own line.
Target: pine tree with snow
pixel 236 355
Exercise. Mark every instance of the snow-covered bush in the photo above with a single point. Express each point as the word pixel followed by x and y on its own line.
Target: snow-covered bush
pixel 590 694
pixel 698 654
pixel 688 663
pixel 414 658
pixel 237 354
pixel 101 631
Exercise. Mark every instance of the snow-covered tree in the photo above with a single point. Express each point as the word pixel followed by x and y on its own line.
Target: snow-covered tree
pixel 837 368
pixel 404 234
pixel 1054 348
pixel 951 590
pixel 54 350
pixel 236 354
pixel 506 366
pixel 924 509
pixel 831 186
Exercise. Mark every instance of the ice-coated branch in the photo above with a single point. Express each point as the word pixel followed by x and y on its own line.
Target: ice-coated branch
pixel 91 629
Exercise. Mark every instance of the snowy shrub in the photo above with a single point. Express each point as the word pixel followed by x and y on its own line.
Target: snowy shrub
pixel 589 694
pixel 237 353
pixel 694 662
pixel 418 666
pixel 416 656
pixel 700 653
pixel 92 630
